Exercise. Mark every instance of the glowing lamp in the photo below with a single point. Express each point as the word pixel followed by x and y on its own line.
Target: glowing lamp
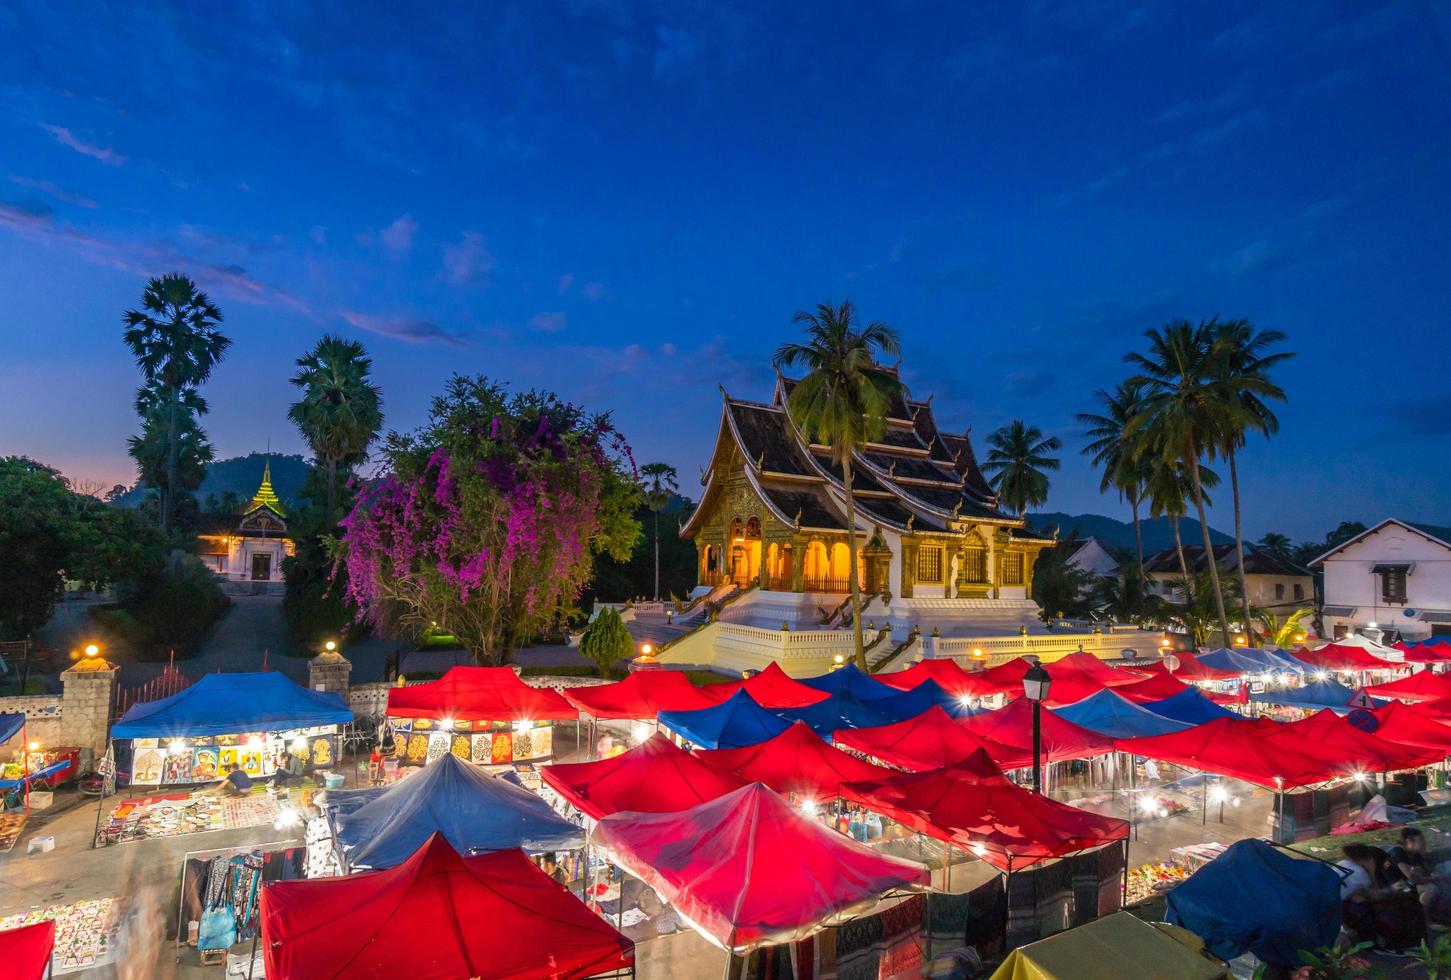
pixel 1036 683
pixel 177 746
pixel 646 649
pixel 299 745
pixel 1218 794
pixel 523 726
pixel 446 724
pixel 978 849
pixel 254 742
pixel 92 650
pixel 330 646
pixel 1322 675
pixel 965 700
pixel 640 731
pixel 838 659
pixel 34 746
pixel 977 653
pixel 808 807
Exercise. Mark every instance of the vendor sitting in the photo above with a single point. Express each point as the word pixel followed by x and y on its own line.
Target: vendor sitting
pixel 291 771
pixel 1377 903
pixel 1409 858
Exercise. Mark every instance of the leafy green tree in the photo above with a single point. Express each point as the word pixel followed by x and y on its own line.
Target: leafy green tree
pixel 607 641
pixel 1112 451
pixel 616 581
pixel 176 343
pixel 341 411
pixel 35 516
pixel 1276 544
pixel 661 482
pixel 1018 454
pixel 1198 612
pixel 1240 353
pixel 1126 598
pixel 843 402
pixel 1168 490
pixel 1061 589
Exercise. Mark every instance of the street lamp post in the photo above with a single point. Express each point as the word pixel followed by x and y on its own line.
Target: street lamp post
pixel 1035 688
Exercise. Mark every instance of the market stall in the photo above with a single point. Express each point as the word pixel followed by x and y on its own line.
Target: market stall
pixel 1253 662
pixel 798 764
pixel 1189 667
pixel 1189 706
pixel 1114 716
pixel 1061 739
pixel 1363 751
pixel 851 679
pixel 841 710
pixel 1423 685
pixel 1154 687
pixel 640 696
pixel 771 688
pixel 1314 695
pixel 26 950
pixel 931 740
pixel 1408 725
pixel 486 715
pixel 475 812
pixel 748 869
pixel 405 922
pixel 1116 946
pixel 736 721
pixel 947 673
pixel 1344 657
pixel 1245 749
pixel 654 777
pixel 914 701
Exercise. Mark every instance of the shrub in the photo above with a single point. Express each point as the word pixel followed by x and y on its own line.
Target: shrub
pixel 607 641
pixel 165 609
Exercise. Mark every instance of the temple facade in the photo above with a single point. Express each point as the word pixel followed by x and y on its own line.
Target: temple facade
pixel 928 526
pixel 250 546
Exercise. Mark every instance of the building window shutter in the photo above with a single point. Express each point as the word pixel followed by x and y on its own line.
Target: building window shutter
pixel 929 565
pixel 1013 568
pixel 1393 585
pixel 974 565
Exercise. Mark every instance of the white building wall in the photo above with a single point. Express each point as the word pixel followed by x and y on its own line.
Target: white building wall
pixel 1349 581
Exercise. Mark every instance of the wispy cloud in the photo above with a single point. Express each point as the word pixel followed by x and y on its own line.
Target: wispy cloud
pixel 65 137
pixel 466 262
pixel 398 237
pixel 1257 256
pixel 53 190
pixel 551 322
pixel 410 329
pixel 594 291
pixel 565 282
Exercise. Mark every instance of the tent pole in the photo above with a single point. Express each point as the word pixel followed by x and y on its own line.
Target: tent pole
pixel 730 961
pixel 946 867
pixel 1125 900
pixel 101 797
pixel 1203 798
pixel 252 963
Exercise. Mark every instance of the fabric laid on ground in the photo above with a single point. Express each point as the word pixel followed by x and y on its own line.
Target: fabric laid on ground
pixel 1365 751
pixel 771 688
pixel 10 724
pixel 931 740
pixel 948 675
pixel 1242 749
pixel 748 869
pixel 479 694
pixel 736 721
pixel 1061 739
pixel 1340 656
pixel 25 952
pixel 643 694
pixel 1190 706
pixel 1252 660
pixel 409 921
pixel 656 776
pixel 795 763
pixel 229 704
pixel 1116 946
pixel 851 679
pixel 972 805
pixel 840 710
pixel 1117 717
pixel 1407 724
pixel 1256 898
pixel 475 812
pixel 1423 685
pixel 1328 693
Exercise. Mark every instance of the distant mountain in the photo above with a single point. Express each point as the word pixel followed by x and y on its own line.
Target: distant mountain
pixel 242 475
pixel 1112 533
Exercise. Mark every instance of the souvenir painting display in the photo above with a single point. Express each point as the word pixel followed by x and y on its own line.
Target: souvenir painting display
pixel 422 741
pixel 85 932
pixel 208 759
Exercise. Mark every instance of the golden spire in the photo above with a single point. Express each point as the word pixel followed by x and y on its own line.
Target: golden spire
pixel 265 496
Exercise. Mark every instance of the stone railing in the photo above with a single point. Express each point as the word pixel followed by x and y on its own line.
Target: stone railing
pixel 1047 647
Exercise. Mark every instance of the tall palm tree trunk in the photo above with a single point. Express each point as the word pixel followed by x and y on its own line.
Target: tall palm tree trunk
pixel 1193 455
pixel 858 650
pixel 657 556
pixel 1179 547
pixel 1239 544
pixel 332 490
pixel 1138 533
pixel 173 452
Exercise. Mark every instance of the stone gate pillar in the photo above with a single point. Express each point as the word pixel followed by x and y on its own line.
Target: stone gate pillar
pixel 329 671
pixel 88 693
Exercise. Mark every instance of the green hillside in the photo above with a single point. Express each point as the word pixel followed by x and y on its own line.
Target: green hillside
pixel 1112 533
pixel 241 475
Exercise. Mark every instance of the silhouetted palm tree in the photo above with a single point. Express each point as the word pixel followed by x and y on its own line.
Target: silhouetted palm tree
pixel 176 343
pixel 1018 454
pixel 661 482
pixel 1276 544
pixel 341 411
pixel 1109 446
pixel 843 402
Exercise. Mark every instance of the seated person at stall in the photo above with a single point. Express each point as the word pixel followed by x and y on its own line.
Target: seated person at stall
pixel 1378 905
pixel 291 771
pixel 1409 858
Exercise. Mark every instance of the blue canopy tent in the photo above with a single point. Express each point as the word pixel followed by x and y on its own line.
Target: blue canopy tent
pixel 1256 897
pixel 854 681
pixel 843 710
pixel 1253 660
pixel 1328 693
pixel 735 722
pixel 1117 717
pixel 915 700
pixel 474 811
pixel 10 724
pixel 1189 706
pixel 228 704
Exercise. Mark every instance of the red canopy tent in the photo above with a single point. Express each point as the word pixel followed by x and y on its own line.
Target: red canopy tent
pixel 1339 656
pixel 771 688
pixel 795 763
pixel 1420 686
pixel 656 776
pixel 478 694
pixel 409 921
pixel 1425 653
pixel 1191 669
pixel 1013 726
pixel 641 695
pixel 953 679
pixel 1005 678
pixel 25 952
pixel 1155 687
pixel 1367 752
pixel 1410 725
pixel 931 740
pixel 1091 666
pixel 1244 749
pixel 748 869
pixel 1070 687
pixel 974 806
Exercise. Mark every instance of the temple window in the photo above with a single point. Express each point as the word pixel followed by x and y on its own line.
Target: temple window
pixel 738 531
pixel 974 565
pixel 1013 568
pixel 753 528
pixel 929 565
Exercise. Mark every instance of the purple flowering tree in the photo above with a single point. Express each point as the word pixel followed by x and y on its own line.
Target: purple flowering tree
pixel 488 519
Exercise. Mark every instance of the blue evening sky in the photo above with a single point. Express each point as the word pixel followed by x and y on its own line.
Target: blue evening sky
pixel 626 203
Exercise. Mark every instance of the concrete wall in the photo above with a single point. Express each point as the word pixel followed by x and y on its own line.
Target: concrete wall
pixel 1349 581
pixel 80 716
